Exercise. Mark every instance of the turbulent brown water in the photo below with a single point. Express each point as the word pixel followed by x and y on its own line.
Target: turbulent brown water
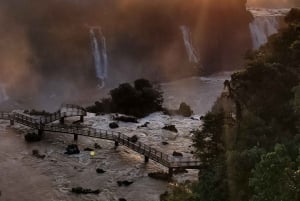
pixel 24 177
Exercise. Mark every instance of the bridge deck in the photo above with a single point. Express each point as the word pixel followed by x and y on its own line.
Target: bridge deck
pixel 44 124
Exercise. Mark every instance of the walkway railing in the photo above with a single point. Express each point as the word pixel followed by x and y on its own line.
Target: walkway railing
pixel 68 110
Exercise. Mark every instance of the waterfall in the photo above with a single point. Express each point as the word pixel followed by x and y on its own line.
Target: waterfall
pixel 261 28
pixel 266 23
pixel 3 94
pixel 189 45
pixel 99 53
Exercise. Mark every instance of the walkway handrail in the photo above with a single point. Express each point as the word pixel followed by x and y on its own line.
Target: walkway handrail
pixel 69 110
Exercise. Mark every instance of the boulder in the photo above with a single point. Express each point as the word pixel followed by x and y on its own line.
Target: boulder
pixel 165 143
pixel 88 149
pixel 124 183
pixel 36 153
pixel 100 171
pixel 185 110
pixel 160 176
pixel 128 119
pixel 171 128
pixel 177 154
pixel 32 137
pixel 80 190
pixel 72 149
pixel 134 139
pixel 113 125
pixel 97 146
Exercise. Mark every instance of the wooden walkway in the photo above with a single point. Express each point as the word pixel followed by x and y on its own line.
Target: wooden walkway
pixel 46 124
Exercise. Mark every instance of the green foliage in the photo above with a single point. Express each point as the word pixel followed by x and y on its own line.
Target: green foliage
pixel 274 177
pixel 138 100
pixel 208 141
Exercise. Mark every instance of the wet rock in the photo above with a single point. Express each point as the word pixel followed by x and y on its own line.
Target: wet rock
pixel 164 196
pixel 171 128
pixel 100 171
pixel 124 183
pixel 185 110
pixel 113 125
pixel 97 146
pixel 165 143
pixel 144 125
pixel 72 149
pixel 128 119
pixel 160 176
pixel 134 139
pixel 80 190
pixel 177 154
pixel 36 153
pixel 180 171
pixel 122 199
pixel 76 122
pixel 88 149
pixel 32 137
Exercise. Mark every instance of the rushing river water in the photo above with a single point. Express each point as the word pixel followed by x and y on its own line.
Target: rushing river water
pixel 24 177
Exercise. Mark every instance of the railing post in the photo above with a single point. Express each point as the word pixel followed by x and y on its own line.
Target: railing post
pixel 171 171
pixel 62 120
pixel 116 144
pixel 75 137
pixel 146 159
pixel 81 118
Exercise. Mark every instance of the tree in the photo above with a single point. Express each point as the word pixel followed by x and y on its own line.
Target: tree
pixel 272 180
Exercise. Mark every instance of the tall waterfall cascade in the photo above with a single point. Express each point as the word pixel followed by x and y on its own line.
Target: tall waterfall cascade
pixel 266 23
pixel 99 50
pixel 191 52
pixel 3 94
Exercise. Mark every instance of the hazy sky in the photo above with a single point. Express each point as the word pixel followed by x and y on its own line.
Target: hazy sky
pixel 274 3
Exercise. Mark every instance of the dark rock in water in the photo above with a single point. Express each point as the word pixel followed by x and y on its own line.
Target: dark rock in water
pixel 80 190
pixel 175 153
pixel 144 125
pixel 180 170
pixel 76 122
pixel 32 137
pixel 36 153
pixel 124 183
pixel 113 125
pixel 164 195
pixel 192 152
pixel 97 146
pixel 122 199
pixel 88 149
pixel 100 171
pixel 134 139
pixel 165 143
pixel 171 128
pixel 160 176
pixel 129 119
pixel 185 110
pixel 72 149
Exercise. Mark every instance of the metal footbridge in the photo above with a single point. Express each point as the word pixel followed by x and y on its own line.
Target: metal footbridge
pixel 45 124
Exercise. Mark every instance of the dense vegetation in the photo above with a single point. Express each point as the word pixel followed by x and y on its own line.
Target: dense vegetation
pixel 250 141
pixel 139 100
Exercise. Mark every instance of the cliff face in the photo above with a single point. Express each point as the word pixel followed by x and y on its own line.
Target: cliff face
pixel 143 38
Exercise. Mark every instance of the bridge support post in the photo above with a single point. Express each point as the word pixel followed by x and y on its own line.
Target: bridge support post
pixel 81 118
pixel 12 122
pixel 62 120
pixel 116 144
pixel 146 159
pixel 75 137
pixel 171 172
